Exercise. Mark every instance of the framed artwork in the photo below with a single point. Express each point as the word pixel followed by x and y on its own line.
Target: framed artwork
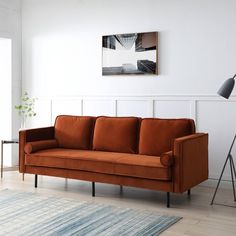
pixel 130 54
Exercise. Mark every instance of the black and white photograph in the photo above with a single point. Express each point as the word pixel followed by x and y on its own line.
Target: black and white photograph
pixel 130 54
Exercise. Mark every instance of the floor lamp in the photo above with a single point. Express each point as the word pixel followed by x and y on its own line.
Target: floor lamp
pixel 225 91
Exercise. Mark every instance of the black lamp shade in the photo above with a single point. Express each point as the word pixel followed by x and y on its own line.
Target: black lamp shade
pixel 226 88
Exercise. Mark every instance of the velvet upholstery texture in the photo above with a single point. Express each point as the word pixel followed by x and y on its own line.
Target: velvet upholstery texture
pixel 116 134
pixel 74 131
pixel 101 162
pixel 157 135
pixel 102 178
pixel 160 154
pixel 31 135
pixel 167 158
pixel 191 161
pixel 35 146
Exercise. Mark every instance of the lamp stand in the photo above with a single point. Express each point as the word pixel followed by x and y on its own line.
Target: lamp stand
pixel 232 170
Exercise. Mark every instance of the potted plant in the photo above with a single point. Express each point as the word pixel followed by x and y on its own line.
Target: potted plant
pixel 26 108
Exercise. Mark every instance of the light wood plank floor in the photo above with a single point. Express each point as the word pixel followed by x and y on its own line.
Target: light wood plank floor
pixel 199 218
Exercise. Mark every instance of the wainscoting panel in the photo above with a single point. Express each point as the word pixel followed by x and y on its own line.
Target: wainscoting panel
pixel 98 107
pixel 172 109
pixel 140 108
pixel 219 120
pixel 43 111
pixel 67 106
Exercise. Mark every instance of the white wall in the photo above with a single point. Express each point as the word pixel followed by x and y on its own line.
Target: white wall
pixel 10 27
pixel 62 45
pixel 5 95
pixel 61 59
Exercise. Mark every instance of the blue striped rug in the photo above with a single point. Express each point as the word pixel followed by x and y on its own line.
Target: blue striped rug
pixel 25 213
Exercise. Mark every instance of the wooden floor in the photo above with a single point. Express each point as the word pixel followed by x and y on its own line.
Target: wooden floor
pixel 199 218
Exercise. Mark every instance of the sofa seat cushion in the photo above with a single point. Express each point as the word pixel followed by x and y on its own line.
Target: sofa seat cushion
pixel 124 164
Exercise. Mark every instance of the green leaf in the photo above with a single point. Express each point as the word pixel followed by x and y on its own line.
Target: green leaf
pixel 26 108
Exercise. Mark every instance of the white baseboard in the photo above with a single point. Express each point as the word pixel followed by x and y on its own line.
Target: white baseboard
pixel 10 168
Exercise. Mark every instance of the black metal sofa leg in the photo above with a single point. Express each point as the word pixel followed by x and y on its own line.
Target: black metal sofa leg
pixel 168 200
pixel 36 181
pixel 93 189
pixel 189 192
pixel 121 189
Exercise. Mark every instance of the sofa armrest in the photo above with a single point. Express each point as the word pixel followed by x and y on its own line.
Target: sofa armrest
pixel 190 161
pixel 30 135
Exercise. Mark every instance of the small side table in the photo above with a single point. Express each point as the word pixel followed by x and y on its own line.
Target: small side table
pixel 12 141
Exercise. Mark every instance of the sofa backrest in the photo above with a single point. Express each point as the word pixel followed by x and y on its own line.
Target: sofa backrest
pixel 74 132
pixel 148 136
pixel 157 135
pixel 116 134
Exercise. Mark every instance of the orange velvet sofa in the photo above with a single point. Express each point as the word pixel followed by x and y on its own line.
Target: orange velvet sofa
pixel 151 153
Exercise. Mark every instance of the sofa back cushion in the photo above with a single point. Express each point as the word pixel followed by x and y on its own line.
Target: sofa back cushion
pixel 74 131
pixel 157 135
pixel 116 134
